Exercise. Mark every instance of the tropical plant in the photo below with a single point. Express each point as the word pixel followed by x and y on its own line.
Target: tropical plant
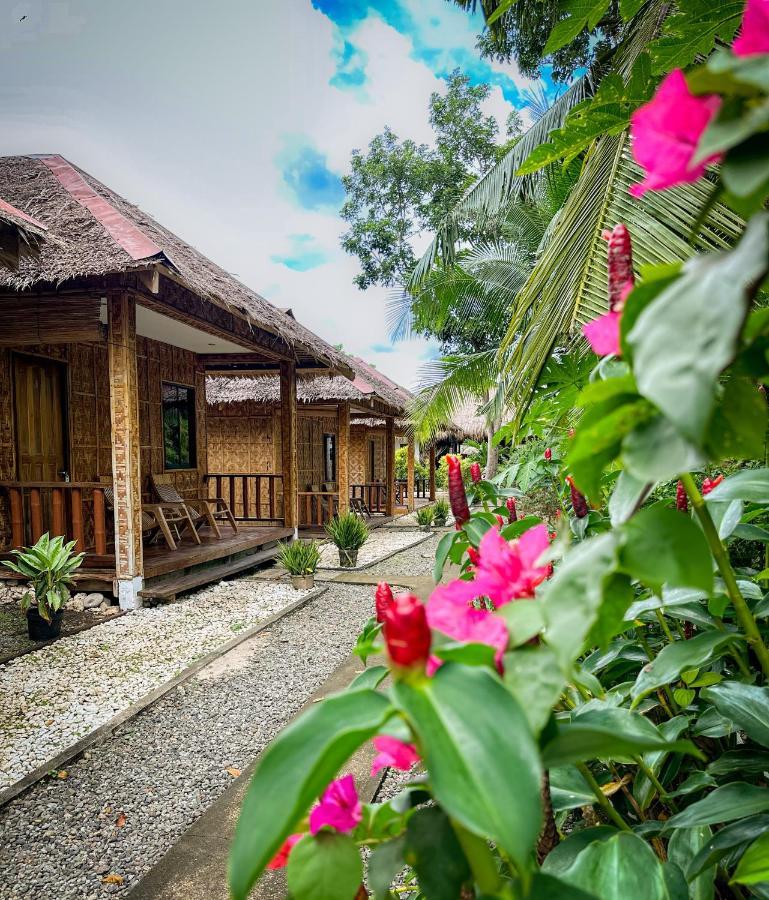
pixel 49 566
pixel 440 512
pixel 442 472
pixel 425 516
pixel 401 465
pixel 348 531
pixel 299 557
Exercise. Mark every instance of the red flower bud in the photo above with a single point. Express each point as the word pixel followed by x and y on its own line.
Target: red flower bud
pixel 512 513
pixel 578 502
pixel 457 495
pixel 406 632
pixel 621 277
pixel 548 454
pixel 383 599
pixel 475 472
pixel 682 501
pixel 475 556
pixel 710 483
pixel 500 520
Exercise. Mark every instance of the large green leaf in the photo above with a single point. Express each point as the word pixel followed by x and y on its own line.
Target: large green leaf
pixel 434 852
pixel 725 840
pixel 643 789
pixel 708 303
pixel 754 864
pixel 750 484
pixel 628 494
pixel 614 869
pixel 568 789
pixel 747 760
pixel 462 717
pixel 683 847
pixel 660 546
pixel 693 32
pixel 679 656
pixel 657 452
pixel 326 866
pixel 293 771
pixel 535 679
pixel 731 801
pixel 747 705
pixel 563 855
pixel 609 733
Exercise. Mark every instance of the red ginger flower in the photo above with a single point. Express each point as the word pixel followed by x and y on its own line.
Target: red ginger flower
pixel 548 454
pixel 753 37
pixel 475 472
pixel 383 599
pixel 512 512
pixel 578 502
pixel 280 860
pixel 475 556
pixel 682 501
pixel 603 332
pixel 406 632
pixel 710 484
pixel 457 495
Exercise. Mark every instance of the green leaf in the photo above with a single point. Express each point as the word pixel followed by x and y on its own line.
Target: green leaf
pixel 684 696
pixel 724 804
pixel 708 304
pixel 683 846
pixel 749 484
pixel 628 494
pixel 468 654
pixel 523 619
pixel 738 426
pixel 614 869
pixel 563 855
pixel 608 734
pixel 696 782
pixel 753 867
pixel 462 717
pixel 643 790
pixel 660 546
pixel 385 862
pixel 725 840
pixel 326 866
pixel 674 658
pixel 572 598
pixel 548 887
pixel 568 789
pixel 369 678
pixel 628 8
pixel 747 705
pixel 441 554
pixel 581 14
pixel 535 679
pixel 434 852
pixel 751 532
pixel 753 762
pixel 294 770
pixel 734 123
pixel 657 452
pixel 693 32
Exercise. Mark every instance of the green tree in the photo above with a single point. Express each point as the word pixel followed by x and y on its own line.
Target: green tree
pixel 398 189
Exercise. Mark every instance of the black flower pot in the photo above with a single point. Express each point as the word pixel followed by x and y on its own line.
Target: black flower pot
pixel 39 629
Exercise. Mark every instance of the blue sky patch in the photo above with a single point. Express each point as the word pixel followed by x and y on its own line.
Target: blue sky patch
pixel 350 72
pixel 307 176
pixel 382 348
pixel 304 254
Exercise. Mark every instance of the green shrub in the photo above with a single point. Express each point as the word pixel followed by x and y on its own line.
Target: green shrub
pixel 299 557
pixel 425 515
pixel 440 511
pixel 401 466
pixel 50 566
pixel 442 472
pixel 348 532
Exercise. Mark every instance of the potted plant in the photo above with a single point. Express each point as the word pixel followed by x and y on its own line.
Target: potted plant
pixel 300 559
pixel 425 517
pixel 349 533
pixel 49 566
pixel 440 513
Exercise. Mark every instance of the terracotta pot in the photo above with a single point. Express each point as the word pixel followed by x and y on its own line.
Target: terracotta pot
pixel 348 559
pixel 40 630
pixel 303 582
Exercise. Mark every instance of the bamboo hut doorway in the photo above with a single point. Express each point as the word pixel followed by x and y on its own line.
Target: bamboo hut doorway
pixel 41 416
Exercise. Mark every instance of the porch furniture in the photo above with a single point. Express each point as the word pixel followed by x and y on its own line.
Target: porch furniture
pixel 358 506
pixel 316 507
pixel 201 510
pixel 159 518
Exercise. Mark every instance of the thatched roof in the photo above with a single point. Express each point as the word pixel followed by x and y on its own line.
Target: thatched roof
pixel 26 225
pixel 99 233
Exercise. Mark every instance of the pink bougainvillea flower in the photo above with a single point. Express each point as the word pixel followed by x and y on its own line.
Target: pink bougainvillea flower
pixel 753 37
pixel 339 807
pixel 603 334
pixel 280 860
pixel 505 571
pixel 393 753
pixel 665 133
pixel 454 616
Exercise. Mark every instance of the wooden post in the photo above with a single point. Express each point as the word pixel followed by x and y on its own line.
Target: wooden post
pixel 343 456
pixel 288 443
pixel 389 466
pixel 411 499
pixel 17 517
pixel 126 475
pixel 431 465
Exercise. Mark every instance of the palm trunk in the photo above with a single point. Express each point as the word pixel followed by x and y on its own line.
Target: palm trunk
pixel 492 455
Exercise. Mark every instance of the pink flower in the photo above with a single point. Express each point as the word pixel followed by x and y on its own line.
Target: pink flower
pixel 710 484
pixel 666 131
pixel 454 616
pixel 548 454
pixel 754 32
pixel 393 753
pixel 280 860
pixel 475 472
pixel 504 572
pixel 603 334
pixel 383 599
pixel 339 807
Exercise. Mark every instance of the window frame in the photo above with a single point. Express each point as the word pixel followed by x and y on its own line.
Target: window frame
pixel 191 463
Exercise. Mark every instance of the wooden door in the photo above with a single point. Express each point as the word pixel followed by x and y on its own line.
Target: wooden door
pixel 40 419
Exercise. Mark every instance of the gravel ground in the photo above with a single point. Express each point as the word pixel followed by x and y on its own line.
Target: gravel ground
pixel 53 696
pixel 379 544
pixel 415 560
pixel 125 802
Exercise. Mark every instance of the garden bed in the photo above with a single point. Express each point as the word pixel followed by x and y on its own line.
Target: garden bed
pixel 51 699
pixel 379 546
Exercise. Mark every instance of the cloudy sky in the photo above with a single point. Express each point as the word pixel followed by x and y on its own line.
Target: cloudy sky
pixel 232 121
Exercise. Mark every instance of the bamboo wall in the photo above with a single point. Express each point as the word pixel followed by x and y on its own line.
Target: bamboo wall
pixel 360 435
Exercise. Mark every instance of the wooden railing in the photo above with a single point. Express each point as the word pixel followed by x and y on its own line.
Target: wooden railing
pixel 373 494
pixel 73 509
pixel 421 489
pixel 317 507
pixel 252 496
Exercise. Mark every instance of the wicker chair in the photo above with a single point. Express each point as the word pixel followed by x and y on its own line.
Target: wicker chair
pixel 201 510
pixel 157 519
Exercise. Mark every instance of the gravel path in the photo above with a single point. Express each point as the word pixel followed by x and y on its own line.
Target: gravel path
pixel 379 545
pixel 54 696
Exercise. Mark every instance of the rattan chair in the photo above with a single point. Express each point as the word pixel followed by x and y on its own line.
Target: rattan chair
pixel 201 510
pixel 158 519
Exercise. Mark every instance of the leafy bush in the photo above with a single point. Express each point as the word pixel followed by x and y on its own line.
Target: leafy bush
pixel 442 472
pixel 401 465
pixel 440 511
pixel 50 566
pixel 299 557
pixel 425 515
pixel 348 532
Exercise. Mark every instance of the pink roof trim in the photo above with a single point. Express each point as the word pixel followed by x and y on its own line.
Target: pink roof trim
pixel 375 373
pixel 135 243
pixel 21 215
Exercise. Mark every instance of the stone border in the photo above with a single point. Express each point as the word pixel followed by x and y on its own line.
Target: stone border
pixel 104 731
pixel 379 559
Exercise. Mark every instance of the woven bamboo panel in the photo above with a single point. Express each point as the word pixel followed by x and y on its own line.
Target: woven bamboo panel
pixel 35 320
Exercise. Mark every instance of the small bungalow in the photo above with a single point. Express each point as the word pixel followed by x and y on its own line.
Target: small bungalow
pixel 108 325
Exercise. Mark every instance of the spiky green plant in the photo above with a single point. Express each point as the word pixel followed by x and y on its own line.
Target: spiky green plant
pixel 50 566
pixel 425 516
pixel 348 532
pixel 299 557
pixel 440 512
